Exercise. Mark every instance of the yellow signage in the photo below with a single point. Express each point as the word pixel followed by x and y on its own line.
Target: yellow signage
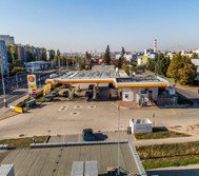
pixel 32 84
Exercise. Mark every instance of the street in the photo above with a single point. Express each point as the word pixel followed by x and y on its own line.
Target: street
pixel 13 96
pixel 16 86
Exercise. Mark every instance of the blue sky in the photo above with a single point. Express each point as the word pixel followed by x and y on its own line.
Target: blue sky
pixel 84 25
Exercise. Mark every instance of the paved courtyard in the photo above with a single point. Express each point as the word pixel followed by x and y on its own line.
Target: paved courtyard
pixel 70 117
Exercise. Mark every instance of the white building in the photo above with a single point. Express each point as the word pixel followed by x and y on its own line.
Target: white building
pixel 196 51
pixel 149 53
pixel 9 40
pixel 196 63
pixel 32 67
pixel 140 125
pixel 128 57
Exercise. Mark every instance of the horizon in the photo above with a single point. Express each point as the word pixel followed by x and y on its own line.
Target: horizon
pixel 98 23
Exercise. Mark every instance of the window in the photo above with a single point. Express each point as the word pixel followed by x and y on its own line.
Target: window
pixel 126 96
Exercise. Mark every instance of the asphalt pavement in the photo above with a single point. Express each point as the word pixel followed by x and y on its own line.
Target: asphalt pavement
pixel 13 96
pixel 175 172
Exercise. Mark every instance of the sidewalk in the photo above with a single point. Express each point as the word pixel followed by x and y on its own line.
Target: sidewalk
pixel 7 112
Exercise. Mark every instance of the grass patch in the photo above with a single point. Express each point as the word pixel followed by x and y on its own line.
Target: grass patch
pixel 24 142
pixel 170 162
pixel 159 135
pixel 168 150
pixel 167 155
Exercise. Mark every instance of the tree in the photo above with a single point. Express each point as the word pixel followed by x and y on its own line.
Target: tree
pixel 194 56
pixel 182 69
pixel 52 55
pixel 29 54
pixel 12 53
pixel 18 70
pixel 43 54
pixel 121 59
pixel 151 65
pixel 107 56
pixel 162 64
pixel 88 61
pixel 126 68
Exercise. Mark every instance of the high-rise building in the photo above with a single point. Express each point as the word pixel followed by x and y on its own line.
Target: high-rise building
pixel 4 58
pixel 9 40
pixel 21 54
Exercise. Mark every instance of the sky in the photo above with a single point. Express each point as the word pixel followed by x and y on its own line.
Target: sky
pixel 90 25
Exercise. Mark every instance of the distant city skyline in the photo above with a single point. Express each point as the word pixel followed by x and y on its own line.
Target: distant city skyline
pixel 85 25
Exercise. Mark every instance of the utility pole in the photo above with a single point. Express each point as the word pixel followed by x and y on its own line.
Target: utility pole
pixel 118 150
pixel 3 83
pixel 17 80
pixel 59 63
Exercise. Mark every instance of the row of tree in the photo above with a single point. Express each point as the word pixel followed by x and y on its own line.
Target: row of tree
pixel 180 68
pixel 17 55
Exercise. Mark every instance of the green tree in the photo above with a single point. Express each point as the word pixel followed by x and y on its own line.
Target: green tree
pixel 52 55
pixel 121 59
pixel 18 70
pixel 29 54
pixel 182 69
pixel 43 54
pixel 12 53
pixel 88 61
pixel 126 68
pixel 151 65
pixel 194 56
pixel 107 56
pixel 162 64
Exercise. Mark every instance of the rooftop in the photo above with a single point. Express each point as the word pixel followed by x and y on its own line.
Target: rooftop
pixel 138 79
pixel 58 160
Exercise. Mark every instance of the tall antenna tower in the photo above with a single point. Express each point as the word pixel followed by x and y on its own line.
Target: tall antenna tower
pixel 155 46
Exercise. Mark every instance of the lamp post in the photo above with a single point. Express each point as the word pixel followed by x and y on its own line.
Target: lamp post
pixel 3 83
pixel 59 61
pixel 17 80
pixel 118 150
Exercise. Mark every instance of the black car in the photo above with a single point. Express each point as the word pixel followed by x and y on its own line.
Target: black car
pixel 88 135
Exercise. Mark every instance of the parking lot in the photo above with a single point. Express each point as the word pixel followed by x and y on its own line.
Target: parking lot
pixel 70 117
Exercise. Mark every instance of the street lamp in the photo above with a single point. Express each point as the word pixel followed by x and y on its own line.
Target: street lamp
pixel 17 80
pixel 118 151
pixel 59 63
pixel 3 83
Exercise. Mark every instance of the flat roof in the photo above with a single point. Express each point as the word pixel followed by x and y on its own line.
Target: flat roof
pixel 58 161
pixel 138 79
pixel 88 75
pixel 109 76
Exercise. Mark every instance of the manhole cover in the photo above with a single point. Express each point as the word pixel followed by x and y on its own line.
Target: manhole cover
pixel 77 107
pixel 75 113
pixel 92 106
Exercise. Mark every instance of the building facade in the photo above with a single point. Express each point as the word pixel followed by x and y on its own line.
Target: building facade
pixel 4 58
pixel 37 66
pixel 9 40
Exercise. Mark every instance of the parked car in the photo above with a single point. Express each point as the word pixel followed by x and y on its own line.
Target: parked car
pixel 89 135
pixel 51 96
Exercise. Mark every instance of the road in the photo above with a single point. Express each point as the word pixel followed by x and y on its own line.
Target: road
pixel 20 81
pixel 16 86
pixel 13 96
pixel 174 172
pixel 189 94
